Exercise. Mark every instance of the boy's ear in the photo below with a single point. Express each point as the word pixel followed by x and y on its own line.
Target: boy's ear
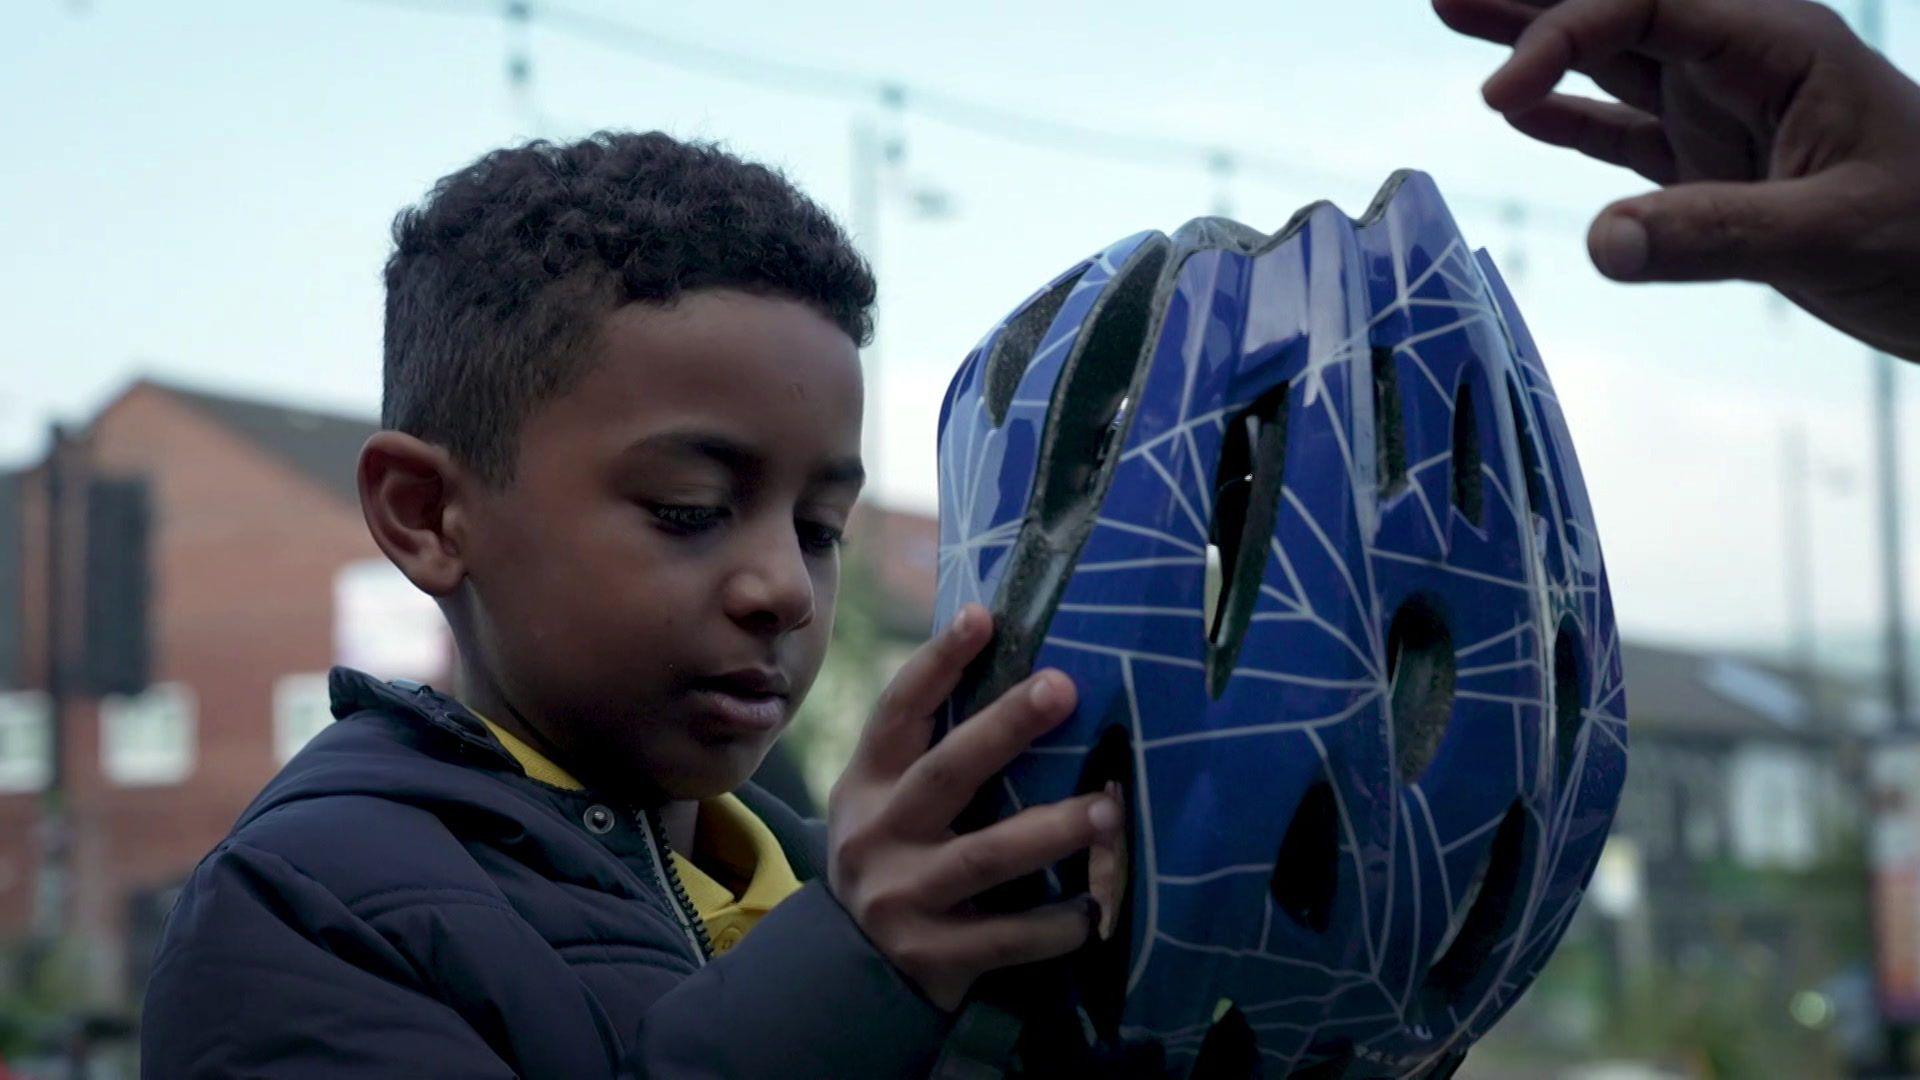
pixel 410 493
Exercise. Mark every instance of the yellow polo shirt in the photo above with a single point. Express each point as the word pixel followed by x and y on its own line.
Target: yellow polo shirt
pixel 729 837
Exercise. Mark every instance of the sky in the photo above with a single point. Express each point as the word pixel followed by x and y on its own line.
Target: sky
pixel 201 191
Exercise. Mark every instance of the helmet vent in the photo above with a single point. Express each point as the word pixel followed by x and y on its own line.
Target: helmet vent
pixel 1569 697
pixel 1420 680
pixel 1246 502
pixel 1306 873
pixel 1389 435
pixel 1529 457
pixel 1468 947
pixel 1087 422
pixel 1467 493
pixel 1101 965
pixel 1013 350
pixel 1335 1062
pixel 1087 402
pixel 1229 1050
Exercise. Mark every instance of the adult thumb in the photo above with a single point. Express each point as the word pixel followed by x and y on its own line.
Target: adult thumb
pixel 1763 231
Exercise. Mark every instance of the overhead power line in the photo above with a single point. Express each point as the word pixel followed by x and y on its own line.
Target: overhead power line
pixel 1000 122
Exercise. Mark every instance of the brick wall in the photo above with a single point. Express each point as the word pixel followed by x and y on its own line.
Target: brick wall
pixel 245 549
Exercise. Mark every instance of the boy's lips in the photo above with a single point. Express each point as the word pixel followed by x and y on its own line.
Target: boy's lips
pixel 749 700
pixel 746 682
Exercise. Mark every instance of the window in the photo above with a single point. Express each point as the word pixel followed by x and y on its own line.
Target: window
pixel 26 727
pixel 148 738
pixel 386 627
pixel 301 710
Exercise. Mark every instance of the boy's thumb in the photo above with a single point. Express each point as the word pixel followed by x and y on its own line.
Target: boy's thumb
pixel 1709 232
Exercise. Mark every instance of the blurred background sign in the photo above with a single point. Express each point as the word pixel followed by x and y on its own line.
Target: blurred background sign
pixel 1894 773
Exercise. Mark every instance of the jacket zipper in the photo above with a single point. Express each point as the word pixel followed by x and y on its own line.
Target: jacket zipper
pixel 661 852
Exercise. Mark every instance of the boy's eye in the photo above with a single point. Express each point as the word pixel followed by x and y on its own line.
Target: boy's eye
pixel 817 537
pixel 688 519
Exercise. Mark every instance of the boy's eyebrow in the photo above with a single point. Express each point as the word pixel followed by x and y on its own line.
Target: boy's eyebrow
pixel 848 471
pixel 740 459
pixel 731 455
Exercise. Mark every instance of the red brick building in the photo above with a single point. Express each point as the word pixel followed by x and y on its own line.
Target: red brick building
pixel 259 576
pixel 251 519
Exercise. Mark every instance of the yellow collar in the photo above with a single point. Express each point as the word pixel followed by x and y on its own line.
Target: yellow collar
pixel 728 837
pixel 533 762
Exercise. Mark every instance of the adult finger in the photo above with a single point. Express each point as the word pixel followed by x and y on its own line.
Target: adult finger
pixel 1772 231
pixel 1031 840
pixel 1498 21
pixel 1610 132
pixel 902 722
pixel 1586 34
pixel 1633 79
pixel 937 786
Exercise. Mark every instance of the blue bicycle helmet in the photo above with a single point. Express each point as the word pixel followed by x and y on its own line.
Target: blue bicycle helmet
pixel 1300 516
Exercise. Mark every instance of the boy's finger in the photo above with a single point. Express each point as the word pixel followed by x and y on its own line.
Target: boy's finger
pixel 1031 840
pixel 989 943
pixel 939 785
pixel 902 720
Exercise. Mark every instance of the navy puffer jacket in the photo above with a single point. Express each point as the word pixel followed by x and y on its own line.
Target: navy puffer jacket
pixel 402 901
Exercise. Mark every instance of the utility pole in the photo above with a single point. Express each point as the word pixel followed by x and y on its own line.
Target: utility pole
pixel 874 152
pixel 1886 450
pixel 866 233
pixel 1887 454
pixel 1221 165
pixel 1897 1030
pixel 1513 214
pixel 51 892
pixel 519 21
pixel 1798 504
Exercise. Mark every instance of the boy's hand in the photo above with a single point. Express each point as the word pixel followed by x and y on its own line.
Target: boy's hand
pixel 894 861
pixel 1788 150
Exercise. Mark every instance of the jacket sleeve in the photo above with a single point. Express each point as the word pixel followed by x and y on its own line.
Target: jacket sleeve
pixel 804 995
pixel 265 973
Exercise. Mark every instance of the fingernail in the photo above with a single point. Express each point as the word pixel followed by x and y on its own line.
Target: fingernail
pixel 1493 91
pixel 1105 813
pixel 1043 693
pixel 1618 245
pixel 1489 88
pixel 958 627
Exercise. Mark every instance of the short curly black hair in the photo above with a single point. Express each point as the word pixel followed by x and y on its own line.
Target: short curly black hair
pixel 500 278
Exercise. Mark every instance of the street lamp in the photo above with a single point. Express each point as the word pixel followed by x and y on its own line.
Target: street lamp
pixel 879 174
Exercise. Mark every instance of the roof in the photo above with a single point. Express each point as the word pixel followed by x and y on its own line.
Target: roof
pixel 323 446
pixel 1718 694
pixel 902 548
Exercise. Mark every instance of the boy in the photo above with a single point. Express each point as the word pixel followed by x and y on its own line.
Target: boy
pixel 622 402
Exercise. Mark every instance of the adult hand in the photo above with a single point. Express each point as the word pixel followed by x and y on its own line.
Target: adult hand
pixel 893 859
pixel 1789 151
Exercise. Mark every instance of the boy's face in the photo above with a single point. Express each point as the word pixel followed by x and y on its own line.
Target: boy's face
pixel 654 591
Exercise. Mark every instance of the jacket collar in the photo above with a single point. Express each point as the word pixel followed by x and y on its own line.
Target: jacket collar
pixel 356 691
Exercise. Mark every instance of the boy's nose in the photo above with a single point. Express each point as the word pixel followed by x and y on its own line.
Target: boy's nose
pixel 772 591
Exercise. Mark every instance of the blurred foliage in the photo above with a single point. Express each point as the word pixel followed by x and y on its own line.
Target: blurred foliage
pixel 42 990
pixel 860 660
pixel 1717 1003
